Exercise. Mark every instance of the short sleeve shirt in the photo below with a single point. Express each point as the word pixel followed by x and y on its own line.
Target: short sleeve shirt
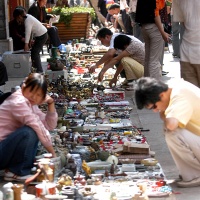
pixel 184 105
pixel 136 51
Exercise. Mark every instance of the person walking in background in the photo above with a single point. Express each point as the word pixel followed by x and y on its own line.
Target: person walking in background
pixel 85 3
pixel 37 10
pixel 147 14
pixel 136 28
pixel 23 125
pixel 178 105
pixel 190 45
pixel 35 29
pixel 125 16
pixel 102 7
pixel 177 34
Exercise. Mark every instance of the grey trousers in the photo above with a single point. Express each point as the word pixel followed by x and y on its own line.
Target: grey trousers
pixel 154 44
pixel 136 28
pixel 177 34
pixel 184 147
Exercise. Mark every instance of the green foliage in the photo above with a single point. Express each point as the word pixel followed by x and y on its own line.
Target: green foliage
pixel 66 13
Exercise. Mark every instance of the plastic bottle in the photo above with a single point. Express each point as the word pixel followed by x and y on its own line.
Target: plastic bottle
pixel 1 195
pixel 9 194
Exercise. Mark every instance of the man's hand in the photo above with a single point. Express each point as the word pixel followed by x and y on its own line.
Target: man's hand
pixel 166 36
pixel 92 68
pixel 112 81
pixel 47 25
pixel 52 16
pixel 26 47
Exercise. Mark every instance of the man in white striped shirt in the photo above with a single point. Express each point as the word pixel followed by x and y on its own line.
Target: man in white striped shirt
pixel 35 29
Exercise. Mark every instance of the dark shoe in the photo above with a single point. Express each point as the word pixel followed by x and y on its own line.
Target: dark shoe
pixel 131 83
pixel 175 56
pixel 186 184
pixel 164 73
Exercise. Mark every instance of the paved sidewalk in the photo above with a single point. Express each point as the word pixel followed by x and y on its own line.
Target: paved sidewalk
pixel 149 120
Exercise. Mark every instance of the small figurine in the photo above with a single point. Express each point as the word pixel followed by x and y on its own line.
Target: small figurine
pixel 86 168
pixel 112 168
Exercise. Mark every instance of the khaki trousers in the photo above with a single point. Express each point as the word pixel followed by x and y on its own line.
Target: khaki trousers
pixel 133 69
pixel 190 72
pixel 184 147
pixel 154 45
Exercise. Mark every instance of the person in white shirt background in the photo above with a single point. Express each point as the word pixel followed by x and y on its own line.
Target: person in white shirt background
pixel 190 45
pixel 35 29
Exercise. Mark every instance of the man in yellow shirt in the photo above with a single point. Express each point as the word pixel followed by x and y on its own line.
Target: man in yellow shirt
pixel 178 105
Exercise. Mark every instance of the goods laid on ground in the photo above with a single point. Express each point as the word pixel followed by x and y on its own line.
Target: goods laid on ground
pixel 101 154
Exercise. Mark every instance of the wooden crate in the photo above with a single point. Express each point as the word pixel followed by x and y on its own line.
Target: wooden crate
pixel 78 27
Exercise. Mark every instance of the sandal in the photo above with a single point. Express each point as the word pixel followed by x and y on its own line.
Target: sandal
pixel 9 176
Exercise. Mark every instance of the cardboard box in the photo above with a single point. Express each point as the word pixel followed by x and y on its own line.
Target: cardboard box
pixel 18 65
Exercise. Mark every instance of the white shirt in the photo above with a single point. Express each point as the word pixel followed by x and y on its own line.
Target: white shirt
pixel 189 13
pixel 132 5
pixel 33 27
pixel 123 4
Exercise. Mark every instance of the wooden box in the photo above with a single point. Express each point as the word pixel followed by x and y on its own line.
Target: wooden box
pixel 78 27
pixel 136 148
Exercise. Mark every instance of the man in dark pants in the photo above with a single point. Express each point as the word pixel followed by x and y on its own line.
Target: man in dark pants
pixel 33 30
pixel 37 10
pixel 17 32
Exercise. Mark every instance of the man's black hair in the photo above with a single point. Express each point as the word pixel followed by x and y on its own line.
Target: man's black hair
pixel 121 41
pixel 113 6
pixel 19 10
pixel 148 90
pixel 103 32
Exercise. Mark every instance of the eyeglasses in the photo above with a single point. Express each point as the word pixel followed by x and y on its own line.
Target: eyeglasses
pixel 153 107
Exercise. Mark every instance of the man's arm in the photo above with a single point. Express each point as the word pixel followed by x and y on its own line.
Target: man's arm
pixel 112 63
pixel 107 56
pixel 170 123
pixel 115 60
pixel 159 5
pixel 161 29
